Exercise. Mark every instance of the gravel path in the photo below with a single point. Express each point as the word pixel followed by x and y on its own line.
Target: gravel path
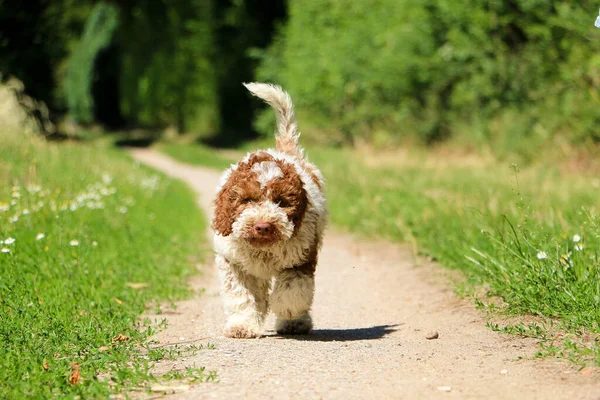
pixel 374 311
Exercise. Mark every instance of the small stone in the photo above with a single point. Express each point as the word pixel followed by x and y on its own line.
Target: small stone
pixel 432 335
pixel 444 388
pixel 504 372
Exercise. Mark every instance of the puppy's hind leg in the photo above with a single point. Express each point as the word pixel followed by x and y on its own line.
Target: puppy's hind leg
pixel 291 300
pixel 245 298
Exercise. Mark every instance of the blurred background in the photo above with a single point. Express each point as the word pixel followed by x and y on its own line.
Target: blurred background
pixel 502 75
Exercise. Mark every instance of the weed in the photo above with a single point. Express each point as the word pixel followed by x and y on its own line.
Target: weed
pixel 192 375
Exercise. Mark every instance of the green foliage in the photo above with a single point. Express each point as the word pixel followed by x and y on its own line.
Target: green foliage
pixel 89 239
pixel 37 36
pixel 168 75
pixel 489 72
pixel 97 35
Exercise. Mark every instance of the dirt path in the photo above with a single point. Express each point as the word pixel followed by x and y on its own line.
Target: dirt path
pixel 373 310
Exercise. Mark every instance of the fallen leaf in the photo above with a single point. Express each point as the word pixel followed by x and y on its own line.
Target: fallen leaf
pixel 587 371
pixel 56 355
pixel 102 349
pixel 118 301
pixel 120 338
pixel 45 365
pixel 137 285
pixel 82 312
pixel 75 375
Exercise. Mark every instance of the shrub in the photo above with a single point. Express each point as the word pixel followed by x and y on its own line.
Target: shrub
pixel 485 71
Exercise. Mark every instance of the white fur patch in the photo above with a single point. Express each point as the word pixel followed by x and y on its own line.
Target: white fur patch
pixel 266 211
pixel 244 297
pixel 267 171
pixel 292 294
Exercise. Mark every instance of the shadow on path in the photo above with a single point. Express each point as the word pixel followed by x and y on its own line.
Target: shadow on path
pixel 343 335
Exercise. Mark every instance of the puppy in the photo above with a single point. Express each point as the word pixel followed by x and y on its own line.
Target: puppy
pixel 269 218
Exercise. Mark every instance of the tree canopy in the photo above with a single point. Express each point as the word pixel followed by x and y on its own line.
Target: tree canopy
pixel 497 71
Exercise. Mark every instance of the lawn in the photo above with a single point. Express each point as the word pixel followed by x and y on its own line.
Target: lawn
pixel 526 239
pixel 89 240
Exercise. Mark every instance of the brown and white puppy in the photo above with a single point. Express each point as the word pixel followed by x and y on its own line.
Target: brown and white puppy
pixel 270 213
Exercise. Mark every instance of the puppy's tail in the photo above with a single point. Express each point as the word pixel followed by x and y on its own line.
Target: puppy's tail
pixel 286 137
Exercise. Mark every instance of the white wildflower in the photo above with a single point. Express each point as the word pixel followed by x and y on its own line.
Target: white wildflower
pixel 579 247
pixel 40 236
pixel 16 195
pixel 576 238
pixel 94 243
pixel 107 179
pixel 33 188
pixel 5 250
pixel 74 242
pixel 25 211
pixel 541 255
pixel 4 207
pixel 123 210
pixel 9 240
pixel 13 219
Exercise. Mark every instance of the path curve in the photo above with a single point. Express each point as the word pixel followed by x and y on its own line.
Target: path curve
pixel 373 310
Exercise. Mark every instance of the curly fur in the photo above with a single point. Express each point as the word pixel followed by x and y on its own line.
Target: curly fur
pixel 274 270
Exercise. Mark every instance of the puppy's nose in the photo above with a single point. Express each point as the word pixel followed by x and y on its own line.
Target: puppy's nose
pixel 263 228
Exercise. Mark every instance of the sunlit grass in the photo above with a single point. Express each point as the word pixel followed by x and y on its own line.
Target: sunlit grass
pixel 190 153
pixel 88 239
pixel 530 237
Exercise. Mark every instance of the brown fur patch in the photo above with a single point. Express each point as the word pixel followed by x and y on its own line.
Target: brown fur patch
pixel 289 193
pixel 286 144
pixel 311 170
pixel 310 265
pixel 243 188
pixel 259 157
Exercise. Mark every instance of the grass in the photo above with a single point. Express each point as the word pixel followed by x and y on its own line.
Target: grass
pixel 193 154
pixel 530 237
pixel 89 239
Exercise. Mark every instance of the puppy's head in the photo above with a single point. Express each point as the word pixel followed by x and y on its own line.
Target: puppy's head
pixel 262 201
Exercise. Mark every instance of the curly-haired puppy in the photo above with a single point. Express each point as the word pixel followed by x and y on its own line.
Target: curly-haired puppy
pixel 270 213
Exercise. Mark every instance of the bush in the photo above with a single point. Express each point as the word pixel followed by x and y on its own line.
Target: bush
pixel 485 71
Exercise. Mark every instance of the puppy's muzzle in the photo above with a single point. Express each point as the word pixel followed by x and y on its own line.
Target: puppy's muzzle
pixel 263 229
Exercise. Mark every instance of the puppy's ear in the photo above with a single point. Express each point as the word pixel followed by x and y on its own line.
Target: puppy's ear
pixel 223 219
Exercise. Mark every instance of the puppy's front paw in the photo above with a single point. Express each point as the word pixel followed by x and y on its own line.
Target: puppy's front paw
pixel 240 332
pixel 300 326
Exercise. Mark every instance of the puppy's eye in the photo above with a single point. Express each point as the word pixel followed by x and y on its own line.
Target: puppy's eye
pixel 283 203
pixel 247 200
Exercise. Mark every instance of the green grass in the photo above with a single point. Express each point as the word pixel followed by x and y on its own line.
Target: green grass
pixel 193 154
pixel 510 232
pixel 89 240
